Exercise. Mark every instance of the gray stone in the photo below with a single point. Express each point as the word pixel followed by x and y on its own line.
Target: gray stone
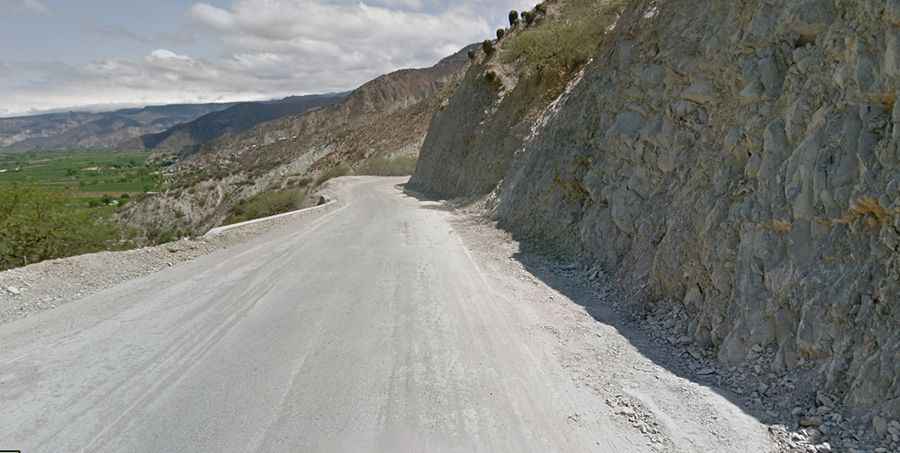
pixel 892 11
pixel 880 425
pixel 811 421
pixel 891 65
pixel 894 428
pixel 701 92
pixel 627 123
pixel 653 74
pixel 809 18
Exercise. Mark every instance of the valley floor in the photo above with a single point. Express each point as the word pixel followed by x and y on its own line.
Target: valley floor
pixel 387 324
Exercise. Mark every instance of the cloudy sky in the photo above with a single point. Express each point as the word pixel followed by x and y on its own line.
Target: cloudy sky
pixel 60 54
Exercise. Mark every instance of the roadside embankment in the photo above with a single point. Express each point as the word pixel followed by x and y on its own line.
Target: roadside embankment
pixel 43 286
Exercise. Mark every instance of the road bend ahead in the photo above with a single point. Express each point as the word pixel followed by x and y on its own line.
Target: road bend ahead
pixel 369 329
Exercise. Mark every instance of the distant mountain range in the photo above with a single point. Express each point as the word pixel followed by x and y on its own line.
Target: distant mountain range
pixel 175 129
pixel 74 130
pixel 187 137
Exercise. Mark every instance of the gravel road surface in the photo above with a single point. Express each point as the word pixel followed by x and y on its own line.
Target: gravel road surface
pixel 377 327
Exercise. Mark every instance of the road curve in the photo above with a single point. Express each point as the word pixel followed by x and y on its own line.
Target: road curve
pixel 367 329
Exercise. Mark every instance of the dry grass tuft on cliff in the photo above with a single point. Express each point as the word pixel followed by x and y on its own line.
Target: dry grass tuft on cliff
pixel 566 39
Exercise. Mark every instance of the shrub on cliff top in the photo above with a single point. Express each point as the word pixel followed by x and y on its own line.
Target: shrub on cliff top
pixel 528 17
pixel 488 47
pixel 562 44
pixel 513 18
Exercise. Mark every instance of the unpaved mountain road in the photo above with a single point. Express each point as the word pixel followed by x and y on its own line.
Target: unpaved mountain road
pixel 378 327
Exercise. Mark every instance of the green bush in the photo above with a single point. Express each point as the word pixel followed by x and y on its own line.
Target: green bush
pixel 488 47
pixel 513 18
pixel 492 78
pixel 389 166
pixel 267 204
pixel 500 34
pixel 37 225
pixel 334 172
pixel 528 16
pixel 564 45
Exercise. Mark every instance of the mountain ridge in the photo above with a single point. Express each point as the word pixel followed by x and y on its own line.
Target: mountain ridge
pixel 185 138
pixel 105 130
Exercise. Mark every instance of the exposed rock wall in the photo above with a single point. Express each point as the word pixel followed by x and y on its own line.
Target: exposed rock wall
pixel 741 157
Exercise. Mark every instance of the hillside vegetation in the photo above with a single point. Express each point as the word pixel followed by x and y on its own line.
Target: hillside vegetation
pixel 86 172
pixel 37 224
pixel 570 37
pixel 59 204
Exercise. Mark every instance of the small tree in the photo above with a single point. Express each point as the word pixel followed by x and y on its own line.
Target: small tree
pixel 500 34
pixel 513 18
pixel 472 54
pixel 488 47
pixel 492 77
pixel 528 16
pixel 540 9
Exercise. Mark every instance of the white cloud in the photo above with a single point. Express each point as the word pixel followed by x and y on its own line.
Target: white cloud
pixel 36 6
pixel 354 40
pixel 33 6
pixel 163 55
pixel 269 48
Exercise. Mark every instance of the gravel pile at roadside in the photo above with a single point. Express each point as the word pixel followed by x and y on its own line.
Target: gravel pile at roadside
pixel 43 286
pixel 800 419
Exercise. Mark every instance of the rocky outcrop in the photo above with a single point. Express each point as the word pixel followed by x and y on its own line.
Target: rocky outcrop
pixel 743 162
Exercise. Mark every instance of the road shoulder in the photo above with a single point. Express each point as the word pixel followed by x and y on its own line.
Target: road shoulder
pixel 646 387
pixel 44 286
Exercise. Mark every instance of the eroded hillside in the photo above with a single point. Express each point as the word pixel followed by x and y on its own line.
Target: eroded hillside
pixel 385 118
pixel 739 159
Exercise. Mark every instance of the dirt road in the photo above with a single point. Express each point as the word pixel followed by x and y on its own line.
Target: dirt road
pixel 374 328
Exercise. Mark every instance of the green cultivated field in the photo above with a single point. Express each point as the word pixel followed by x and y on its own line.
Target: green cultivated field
pixel 90 172
pixel 58 204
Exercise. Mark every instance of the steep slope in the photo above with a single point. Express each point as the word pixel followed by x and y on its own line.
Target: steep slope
pixel 385 117
pixel 95 130
pixel 187 137
pixel 742 164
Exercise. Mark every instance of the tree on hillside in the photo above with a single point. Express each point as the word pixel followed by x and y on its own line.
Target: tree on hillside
pixel 513 18
pixel 37 225
pixel 488 47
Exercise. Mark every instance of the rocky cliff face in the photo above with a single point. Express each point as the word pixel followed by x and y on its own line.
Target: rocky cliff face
pixel 742 158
